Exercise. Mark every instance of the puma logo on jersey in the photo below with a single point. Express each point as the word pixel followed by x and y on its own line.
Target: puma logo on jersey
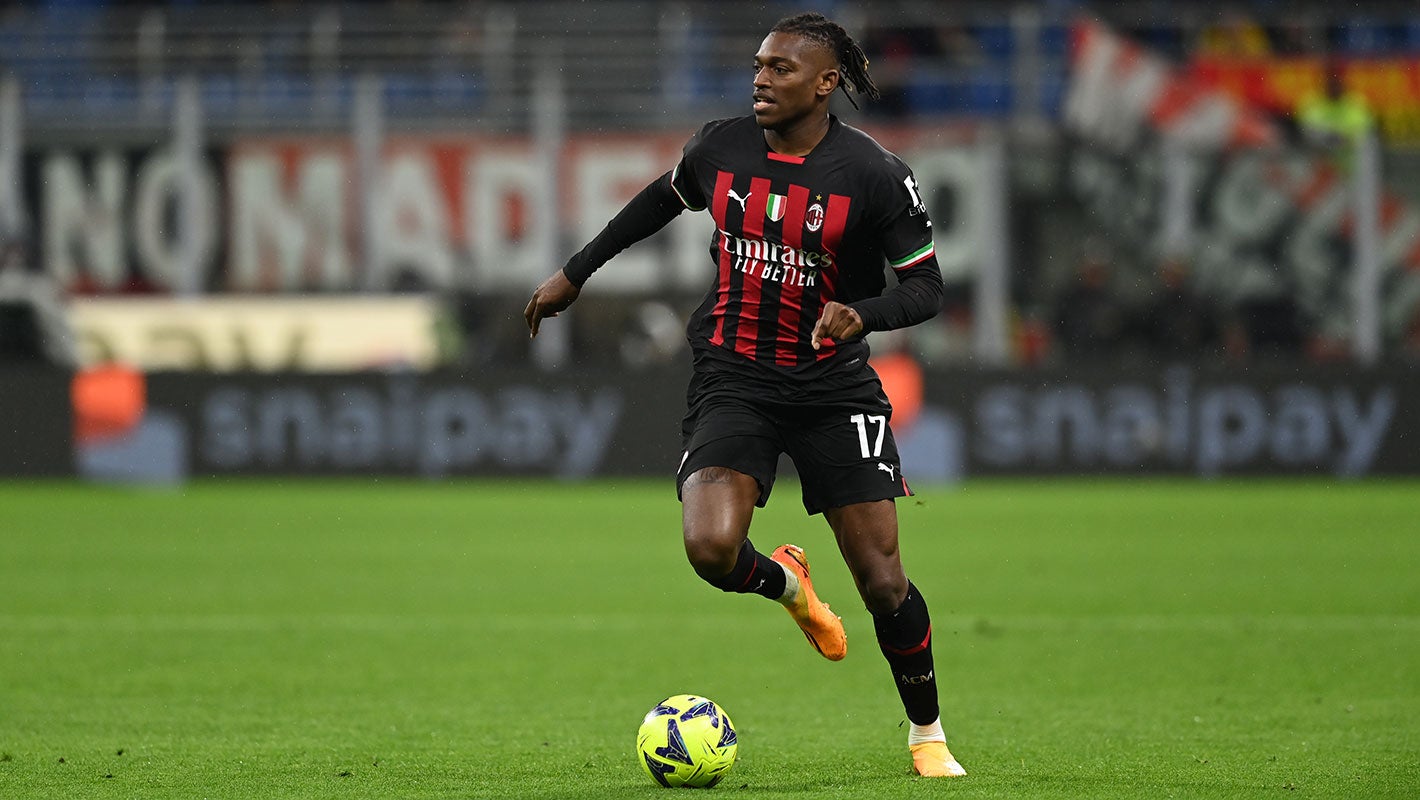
pixel 886 468
pixel 738 199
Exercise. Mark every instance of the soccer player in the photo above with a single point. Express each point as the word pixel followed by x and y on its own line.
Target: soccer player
pixel 808 210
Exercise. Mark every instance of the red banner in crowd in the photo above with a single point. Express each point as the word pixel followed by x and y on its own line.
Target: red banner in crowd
pixel 1270 219
pixel 1118 90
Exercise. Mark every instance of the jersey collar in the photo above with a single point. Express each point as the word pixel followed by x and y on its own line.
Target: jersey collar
pixel 833 126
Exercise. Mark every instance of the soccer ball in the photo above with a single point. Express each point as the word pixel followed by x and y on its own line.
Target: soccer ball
pixel 687 741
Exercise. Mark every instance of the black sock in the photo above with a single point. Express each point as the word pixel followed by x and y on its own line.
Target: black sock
pixel 754 573
pixel 905 637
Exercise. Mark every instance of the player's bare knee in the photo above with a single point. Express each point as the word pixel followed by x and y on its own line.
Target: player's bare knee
pixel 712 555
pixel 717 506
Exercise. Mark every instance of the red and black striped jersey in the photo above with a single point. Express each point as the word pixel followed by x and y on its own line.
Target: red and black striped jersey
pixel 793 233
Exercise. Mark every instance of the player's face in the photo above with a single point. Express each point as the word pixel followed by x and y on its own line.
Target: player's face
pixel 793 78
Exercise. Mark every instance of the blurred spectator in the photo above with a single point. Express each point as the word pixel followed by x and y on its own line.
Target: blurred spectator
pixel 1236 35
pixel 653 334
pixel 892 50
pixel 956 43
pixel 951 338
pixel 1177 322
pixel 1409 350
pixel 460 46
pixel 1090 318
pixel 1267 326
pixel 1298 35
pixel 1335 118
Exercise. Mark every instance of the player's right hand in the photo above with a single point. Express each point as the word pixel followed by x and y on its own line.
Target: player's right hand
pixel 837 323
pixel 549 299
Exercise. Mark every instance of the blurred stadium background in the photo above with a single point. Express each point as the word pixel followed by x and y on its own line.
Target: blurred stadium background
pixel 281 237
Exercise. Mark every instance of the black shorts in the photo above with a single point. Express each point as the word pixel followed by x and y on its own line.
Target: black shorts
pixel 841 443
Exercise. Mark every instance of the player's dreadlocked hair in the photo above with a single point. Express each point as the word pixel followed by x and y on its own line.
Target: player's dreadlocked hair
pixel 852 63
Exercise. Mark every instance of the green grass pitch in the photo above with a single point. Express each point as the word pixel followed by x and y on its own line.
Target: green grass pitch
pixel 297 639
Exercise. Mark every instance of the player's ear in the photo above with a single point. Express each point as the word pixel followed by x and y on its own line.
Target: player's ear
pixel 828 82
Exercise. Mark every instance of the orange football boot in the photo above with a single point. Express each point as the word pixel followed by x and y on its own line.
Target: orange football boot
pixel 821 627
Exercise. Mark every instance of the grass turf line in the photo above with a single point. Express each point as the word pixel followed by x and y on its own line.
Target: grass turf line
pixel 502 639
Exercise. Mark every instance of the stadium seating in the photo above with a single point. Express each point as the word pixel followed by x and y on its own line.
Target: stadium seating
pixel 446 61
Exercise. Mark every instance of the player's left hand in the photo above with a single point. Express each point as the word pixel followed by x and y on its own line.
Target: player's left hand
pixel 837 322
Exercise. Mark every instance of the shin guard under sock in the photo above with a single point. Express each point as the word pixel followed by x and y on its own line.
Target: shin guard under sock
pixel 905 637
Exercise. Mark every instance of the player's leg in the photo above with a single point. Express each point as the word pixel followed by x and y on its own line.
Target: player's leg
pixel 850 470
pixel 867 535
pixel 717 504
pixel 732 450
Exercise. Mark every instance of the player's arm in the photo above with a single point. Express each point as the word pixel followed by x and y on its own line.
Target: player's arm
pixel 649 211
pixel 906 234
pixel 916 298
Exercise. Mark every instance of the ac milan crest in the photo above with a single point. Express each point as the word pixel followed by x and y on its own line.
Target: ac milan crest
pixel 813 218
